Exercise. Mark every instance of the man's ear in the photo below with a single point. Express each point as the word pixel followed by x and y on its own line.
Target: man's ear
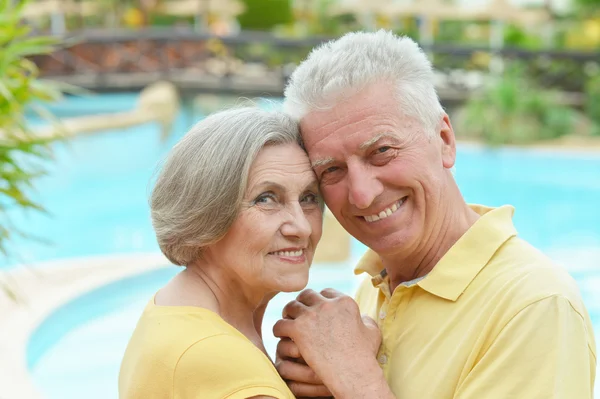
pixel 448 142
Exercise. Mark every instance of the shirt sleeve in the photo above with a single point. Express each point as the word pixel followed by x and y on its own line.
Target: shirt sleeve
pixel 226 367
pixel 545 351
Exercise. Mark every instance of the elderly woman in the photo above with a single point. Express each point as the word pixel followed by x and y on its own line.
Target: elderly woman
pixel 237 204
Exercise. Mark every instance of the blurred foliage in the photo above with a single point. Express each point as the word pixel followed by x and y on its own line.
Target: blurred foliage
pixel 568 74
pixel 450 31
pixel 580 34
pixel 589 5
pixel 514 110
pixel 313 18
pixel 516 36
pixel 592 102
pixel 22 154
pixel 170 20
pixel 265 14
pixel 270 55
pixel 407 27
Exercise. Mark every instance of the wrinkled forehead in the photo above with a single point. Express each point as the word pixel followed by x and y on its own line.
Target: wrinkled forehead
pixel 365 112
pixel 352 135
pixel 287 165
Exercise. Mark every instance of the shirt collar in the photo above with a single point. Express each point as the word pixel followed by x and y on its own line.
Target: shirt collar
pixel 465 259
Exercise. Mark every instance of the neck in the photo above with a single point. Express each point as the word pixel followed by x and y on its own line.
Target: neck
pixel 238 305
pixel 445 231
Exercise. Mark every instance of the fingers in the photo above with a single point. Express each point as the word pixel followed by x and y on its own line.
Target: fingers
pixel 301 390
pixel 293 309
pixel 284 328
pixel 287 349
pixel 373 331
pixel 297 372
pixel 309 297
pixel 332 293
pixel 369 322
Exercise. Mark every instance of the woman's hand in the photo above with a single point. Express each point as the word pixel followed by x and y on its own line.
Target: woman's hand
pixel 301 379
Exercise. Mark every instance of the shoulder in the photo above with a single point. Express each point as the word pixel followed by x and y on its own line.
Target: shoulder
pixel 226 350
pixel 527 276
pixel 226 365
pixel 165 333
pixel 520 279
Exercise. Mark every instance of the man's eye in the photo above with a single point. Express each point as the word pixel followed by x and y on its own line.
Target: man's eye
pixel 383 149
pixel 310 198
pixel 331 169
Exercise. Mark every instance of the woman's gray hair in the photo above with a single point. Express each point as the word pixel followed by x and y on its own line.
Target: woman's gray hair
pixel 200 188
pixel 342 67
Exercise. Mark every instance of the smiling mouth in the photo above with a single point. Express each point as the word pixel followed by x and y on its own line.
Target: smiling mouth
pixel 386 212
pixel 295 256
pixel 288 254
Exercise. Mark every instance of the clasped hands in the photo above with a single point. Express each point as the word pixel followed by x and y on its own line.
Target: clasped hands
pixel 326 347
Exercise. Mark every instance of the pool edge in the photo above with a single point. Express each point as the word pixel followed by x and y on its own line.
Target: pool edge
pixel 45 287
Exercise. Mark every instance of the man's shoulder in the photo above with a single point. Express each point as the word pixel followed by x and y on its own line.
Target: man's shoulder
pixel 525 275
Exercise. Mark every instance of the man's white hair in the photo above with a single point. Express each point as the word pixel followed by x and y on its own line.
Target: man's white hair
pixel 340 68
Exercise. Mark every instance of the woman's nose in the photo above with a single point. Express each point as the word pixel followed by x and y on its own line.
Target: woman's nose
pixel 297 224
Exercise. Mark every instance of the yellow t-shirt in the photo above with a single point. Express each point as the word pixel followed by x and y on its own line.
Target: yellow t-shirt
pixel 184 352
pixel 494 319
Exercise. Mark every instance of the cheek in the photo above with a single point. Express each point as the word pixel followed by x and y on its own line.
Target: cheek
pixel 316 224
pixel 334 196
pixel 256 234
pixel 401 171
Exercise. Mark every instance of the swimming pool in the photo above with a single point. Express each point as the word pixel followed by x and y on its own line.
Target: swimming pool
pixel 97 196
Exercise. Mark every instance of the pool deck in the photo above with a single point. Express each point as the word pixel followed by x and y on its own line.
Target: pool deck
pixel 41 289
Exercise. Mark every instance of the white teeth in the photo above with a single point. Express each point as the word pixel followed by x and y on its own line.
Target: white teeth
pixel 385 213
pixel 289 253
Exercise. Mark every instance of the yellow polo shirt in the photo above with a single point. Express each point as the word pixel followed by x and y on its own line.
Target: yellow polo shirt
pixel 184 352
pixel 494 319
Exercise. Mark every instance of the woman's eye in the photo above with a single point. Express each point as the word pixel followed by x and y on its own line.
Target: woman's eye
pixel 265 199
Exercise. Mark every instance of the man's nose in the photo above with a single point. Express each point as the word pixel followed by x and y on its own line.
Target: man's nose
pixel 363 186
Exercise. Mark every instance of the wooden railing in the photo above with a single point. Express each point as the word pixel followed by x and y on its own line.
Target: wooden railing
pixel 260 63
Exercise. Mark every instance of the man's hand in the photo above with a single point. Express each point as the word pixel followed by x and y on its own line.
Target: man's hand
pixel 334 340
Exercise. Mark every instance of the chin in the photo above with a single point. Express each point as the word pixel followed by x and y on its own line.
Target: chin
pixel 293 284
pixel 390 244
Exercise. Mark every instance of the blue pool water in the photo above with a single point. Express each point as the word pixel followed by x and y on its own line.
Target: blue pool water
pixel 97 192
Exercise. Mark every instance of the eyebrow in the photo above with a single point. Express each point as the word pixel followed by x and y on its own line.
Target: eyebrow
pixel 268 183
pixel 375 139
pixel 321 162
pixel 363 146
pixel 312 185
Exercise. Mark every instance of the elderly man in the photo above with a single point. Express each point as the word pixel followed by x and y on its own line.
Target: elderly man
pixel 465 308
